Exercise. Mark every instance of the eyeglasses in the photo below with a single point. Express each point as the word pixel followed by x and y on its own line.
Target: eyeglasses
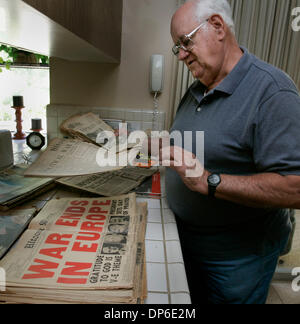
pixel 187 43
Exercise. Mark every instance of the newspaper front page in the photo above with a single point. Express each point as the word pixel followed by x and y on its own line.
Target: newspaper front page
pixel 79 244
pixel 136 295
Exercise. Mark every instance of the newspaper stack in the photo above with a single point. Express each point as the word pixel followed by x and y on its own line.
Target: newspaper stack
pixel 12 224
pixel 16 189
pixel 91 141
pixel 80 250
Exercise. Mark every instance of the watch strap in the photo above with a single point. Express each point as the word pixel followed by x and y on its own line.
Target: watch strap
pixel 211 191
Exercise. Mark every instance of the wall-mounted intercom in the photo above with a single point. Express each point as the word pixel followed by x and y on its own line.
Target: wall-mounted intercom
pixel 157 66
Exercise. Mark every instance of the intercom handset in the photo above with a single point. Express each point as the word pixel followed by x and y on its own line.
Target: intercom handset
pixel 156 73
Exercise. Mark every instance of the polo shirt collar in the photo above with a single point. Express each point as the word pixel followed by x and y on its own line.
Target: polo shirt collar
pixel 232 80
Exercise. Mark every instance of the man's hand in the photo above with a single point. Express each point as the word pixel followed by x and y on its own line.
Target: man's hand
pixel 187 166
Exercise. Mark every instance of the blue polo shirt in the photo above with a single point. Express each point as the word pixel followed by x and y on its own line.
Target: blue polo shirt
pixel 251 124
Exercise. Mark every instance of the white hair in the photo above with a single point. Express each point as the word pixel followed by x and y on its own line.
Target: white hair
pixel 206 8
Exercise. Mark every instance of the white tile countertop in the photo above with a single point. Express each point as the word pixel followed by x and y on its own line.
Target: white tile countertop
pixel 166 277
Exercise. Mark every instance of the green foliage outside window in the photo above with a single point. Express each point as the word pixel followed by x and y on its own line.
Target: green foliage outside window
pixel 10 55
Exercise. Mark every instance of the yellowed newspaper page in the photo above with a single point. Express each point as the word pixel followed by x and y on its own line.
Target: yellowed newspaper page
pixel 110 183
pixel 134 295
pixel 86 126
pixel 68 157
pixel 91 128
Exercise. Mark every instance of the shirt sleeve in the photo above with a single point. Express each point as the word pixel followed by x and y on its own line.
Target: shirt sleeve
pixel 277 134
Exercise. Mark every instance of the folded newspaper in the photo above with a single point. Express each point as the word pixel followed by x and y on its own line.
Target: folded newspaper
pixel 81 162
pixel 111 183
pixel 85 126
pixel 89 127
pixel 80 250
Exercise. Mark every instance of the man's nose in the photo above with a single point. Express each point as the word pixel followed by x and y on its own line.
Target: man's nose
pixel 183 54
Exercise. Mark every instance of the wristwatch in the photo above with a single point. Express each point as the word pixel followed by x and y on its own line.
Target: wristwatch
pixel 213 181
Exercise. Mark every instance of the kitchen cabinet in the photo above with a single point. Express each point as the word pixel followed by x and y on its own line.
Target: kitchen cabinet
pixel 77 30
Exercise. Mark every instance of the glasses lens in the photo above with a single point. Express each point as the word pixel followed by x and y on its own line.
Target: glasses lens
pixel 187 44
pixel 175 49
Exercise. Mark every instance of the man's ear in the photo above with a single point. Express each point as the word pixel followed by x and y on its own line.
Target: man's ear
pixel 219 25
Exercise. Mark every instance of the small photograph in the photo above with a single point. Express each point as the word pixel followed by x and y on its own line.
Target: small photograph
pixel 115 238
pixel 113 248
pixel 118 228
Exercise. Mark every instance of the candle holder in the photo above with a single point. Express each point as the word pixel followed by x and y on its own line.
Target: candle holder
pixel 36 125
pixel 18 106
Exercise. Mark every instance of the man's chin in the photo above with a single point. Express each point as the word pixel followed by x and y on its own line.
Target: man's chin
pixel 199 75
pixel 194 73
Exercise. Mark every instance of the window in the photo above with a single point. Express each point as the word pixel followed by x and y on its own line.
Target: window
pixel 33 85
pixel 31 82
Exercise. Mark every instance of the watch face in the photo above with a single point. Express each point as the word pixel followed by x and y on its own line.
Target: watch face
pixel 214 179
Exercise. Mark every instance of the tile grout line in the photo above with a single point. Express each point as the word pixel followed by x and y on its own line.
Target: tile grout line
pixel 165 251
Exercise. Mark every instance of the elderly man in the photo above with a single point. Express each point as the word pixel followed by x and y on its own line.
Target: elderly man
pixel 233 217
